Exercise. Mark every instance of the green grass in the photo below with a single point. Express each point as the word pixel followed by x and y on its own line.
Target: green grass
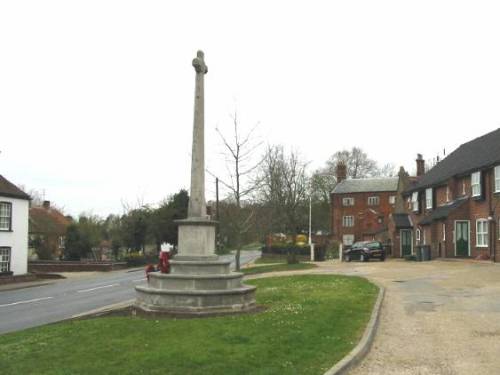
pixel 311 322
pixel 267 260
pixel 277 268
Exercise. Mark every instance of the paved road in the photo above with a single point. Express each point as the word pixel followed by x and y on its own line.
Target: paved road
pixel 24 308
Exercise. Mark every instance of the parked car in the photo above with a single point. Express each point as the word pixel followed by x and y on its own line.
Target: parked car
pixel 364 251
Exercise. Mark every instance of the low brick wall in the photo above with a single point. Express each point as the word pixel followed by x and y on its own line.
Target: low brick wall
pixel 69 266
pixel 9 279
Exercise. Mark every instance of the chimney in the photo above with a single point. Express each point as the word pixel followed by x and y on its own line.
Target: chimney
pixel 420 165
pixel 341 171
pixel 46 204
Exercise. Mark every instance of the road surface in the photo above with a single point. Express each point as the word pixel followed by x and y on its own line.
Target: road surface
pixel 30 307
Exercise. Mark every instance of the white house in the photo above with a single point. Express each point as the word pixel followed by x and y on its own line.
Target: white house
pixel 14 216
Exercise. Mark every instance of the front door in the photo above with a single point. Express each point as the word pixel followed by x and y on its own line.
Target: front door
pixel 406 242
pixel 462 238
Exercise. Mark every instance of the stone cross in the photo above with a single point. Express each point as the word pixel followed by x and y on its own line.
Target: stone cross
pixel 197 206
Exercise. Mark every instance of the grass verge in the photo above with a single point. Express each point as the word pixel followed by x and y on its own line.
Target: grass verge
pixel 311 322
pixel 277 268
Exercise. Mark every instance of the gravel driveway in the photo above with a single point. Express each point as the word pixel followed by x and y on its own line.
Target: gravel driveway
pixel 439 317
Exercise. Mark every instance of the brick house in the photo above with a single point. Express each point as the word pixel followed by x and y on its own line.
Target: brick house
pixel 455 207
pixel 47 231
pixel 360 208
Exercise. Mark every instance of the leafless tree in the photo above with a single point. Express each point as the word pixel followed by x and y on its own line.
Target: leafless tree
pixel 240 151
pixel 284 186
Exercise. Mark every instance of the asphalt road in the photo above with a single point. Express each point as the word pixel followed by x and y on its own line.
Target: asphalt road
pixel 31 307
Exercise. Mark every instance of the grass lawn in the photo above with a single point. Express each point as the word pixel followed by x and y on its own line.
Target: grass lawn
pixel 311 322
pixel 277 268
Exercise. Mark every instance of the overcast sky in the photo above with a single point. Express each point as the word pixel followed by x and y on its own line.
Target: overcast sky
pixel 96 97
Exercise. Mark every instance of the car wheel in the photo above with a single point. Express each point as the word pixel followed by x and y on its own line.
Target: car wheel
pixel 347 258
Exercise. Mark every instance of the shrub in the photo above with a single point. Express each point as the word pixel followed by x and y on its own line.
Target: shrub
pixel 136 259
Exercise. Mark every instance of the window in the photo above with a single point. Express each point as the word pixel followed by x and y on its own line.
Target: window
pixel 373 201
pixel 475 179
pixel 463 186
pixel 348 221
pixel 447 193
pixel 392 199
pixel 348 239
pixel 348 201
pixel 482 233
pixel 497 179
pixel 5 216
pixel 4 259
pixel 414 201
pixel 428 198
pixel 417 235
pixel 444 232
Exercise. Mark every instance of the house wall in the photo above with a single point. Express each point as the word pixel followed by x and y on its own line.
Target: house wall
pixel 365 219
pixel 17 239
pixel 472 210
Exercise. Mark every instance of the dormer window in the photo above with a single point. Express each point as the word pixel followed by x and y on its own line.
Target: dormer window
pixel 414 201
pixel 5 216
pixel 475 179
pixel 428 198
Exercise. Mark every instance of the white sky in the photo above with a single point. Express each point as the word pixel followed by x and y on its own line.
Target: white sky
pixel 96 97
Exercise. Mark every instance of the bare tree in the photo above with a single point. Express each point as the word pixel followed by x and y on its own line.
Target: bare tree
pixel 239 154
pixel 283 187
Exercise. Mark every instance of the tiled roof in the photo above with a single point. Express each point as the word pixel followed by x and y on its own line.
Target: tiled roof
pixel 479 153
pixel 366 185
pixel 8 189
pixel 47 220
pixel 442 212
pixel 402 220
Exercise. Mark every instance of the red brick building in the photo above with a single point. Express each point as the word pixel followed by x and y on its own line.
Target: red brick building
pixel 360 208
pixel 455 207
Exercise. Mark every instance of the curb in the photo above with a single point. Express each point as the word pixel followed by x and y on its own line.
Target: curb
pixel 363 347
pixel 103 310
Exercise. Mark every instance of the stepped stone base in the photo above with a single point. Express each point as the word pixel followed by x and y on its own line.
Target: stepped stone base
pixel 194 287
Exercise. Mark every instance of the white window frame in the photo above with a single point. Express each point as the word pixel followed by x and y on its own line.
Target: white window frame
pixel 444 232
pixel 414 201
pixel 475 183
pixel 392 199
pixel 497 179
pixel 374 200
pixel 447 193
pixel 5 216
pixel 463 186
pixel 417 235
pixel 347 221
pixel 5 258
pixel 482 237
pixel 348 201
pixel 428 198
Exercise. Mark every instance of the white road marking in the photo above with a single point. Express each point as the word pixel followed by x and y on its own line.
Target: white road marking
pixel 99 287
pixel 138 280
pixel 27 301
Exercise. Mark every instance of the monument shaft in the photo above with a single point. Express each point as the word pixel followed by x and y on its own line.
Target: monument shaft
pixel 197 206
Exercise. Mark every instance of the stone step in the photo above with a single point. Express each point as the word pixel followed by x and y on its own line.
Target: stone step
pixel 195 301
pixel 195 282
pixel 185 267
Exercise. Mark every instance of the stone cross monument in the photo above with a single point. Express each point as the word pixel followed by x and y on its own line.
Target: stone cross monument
pixel 199 282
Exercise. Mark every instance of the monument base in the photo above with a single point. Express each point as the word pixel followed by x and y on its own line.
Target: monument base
pixel 196 287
